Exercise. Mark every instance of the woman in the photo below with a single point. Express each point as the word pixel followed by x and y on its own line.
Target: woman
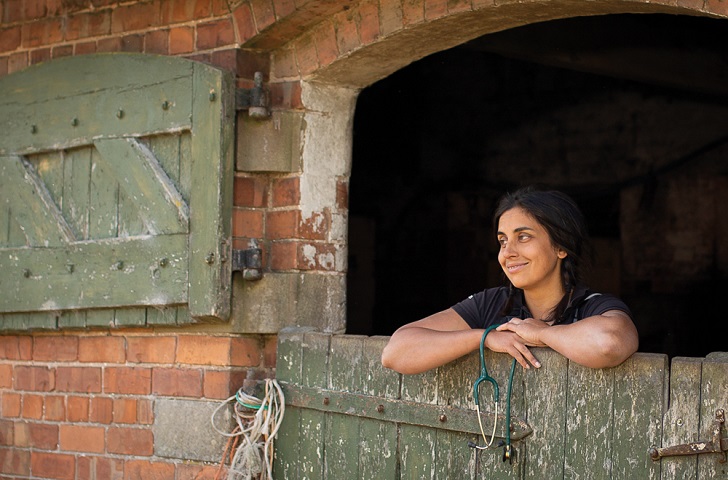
pixel 542 239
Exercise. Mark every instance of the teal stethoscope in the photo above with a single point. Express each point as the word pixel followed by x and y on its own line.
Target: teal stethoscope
pixel 484 377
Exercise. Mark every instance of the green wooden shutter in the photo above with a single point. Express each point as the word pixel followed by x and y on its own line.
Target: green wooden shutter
pixel 115 192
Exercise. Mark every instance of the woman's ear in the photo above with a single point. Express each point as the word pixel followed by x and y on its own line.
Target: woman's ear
pixel 561 253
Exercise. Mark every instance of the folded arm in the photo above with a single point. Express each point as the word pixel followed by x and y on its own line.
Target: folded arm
pixel 600 341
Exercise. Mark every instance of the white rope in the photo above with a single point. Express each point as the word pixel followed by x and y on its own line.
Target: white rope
pixel 257 422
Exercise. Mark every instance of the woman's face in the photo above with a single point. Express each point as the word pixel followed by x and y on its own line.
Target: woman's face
pixel 527 255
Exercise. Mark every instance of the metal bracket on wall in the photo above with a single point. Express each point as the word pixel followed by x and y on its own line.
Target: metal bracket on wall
pixel 255 100
pixel 249 262
pixel 717 445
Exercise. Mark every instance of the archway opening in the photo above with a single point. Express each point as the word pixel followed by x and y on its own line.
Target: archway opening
pixel 626 113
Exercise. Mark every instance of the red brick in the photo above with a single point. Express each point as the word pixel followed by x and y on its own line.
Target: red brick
pixel 13 11
pixel 130 441
pixel 181 40
pixel 306 55
pixel 326 46
pixel 78 379
pixel 6 376
pixel 86 25
pixel 203 350
pixel 3 66
pixel 251 192
pixel 106 349
pixel 132 43
pixel 53 465
pixel 129 380
pixel 284 63
pixel 270 350
pixel 263 13
pixel 11 405
pixel 284 255
pixel 390 16
pixel 342 194
pixel 244 22
pixel 413 11
pixel 151 349
pixel 125 410
pixel 17 62
pixel 435 9
pixel 222 384
pixel 92 468
pixel 177 382
pixel 137 16
pixel 7 433
pixel 456 6
pixel 9 39
pixel 43 32
pixel 55 348
pixel 315 227
pixel 40 55
pixel 81 438
pixel 101 410
pixel 283 8
pixel 191 471
pixel 145 412
pixel 60 51
pixel 54 408
pixel 77 409
pixel 247 223
pixel 84 48
pixel 718 7
pixel 156 41
pixel 347 36
pixel 30 378
pixel 369 21
pixel 181 11
pixel 36 435
pixel 282 224
pixel 142 470
pixel 35 9
pixel 286 95
pixel 14 461
pixel 245 352
pixel 286 191
pixel 215 34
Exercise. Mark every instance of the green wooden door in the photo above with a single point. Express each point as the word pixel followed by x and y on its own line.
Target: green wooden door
pixel 115 192
pixel 348 418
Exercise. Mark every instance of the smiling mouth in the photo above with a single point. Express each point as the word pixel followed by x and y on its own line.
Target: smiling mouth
pixel 515 268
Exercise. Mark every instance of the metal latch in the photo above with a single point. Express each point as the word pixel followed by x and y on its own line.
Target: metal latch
pixel 717 445
pixel 254 100
pixel 249 262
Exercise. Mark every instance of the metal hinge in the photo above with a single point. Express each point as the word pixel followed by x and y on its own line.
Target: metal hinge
pixel 249 262
pixel 717 445
pixel 254 100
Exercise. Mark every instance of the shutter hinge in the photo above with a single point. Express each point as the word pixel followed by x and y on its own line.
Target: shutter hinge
pixel 249 262
pixel 255 100
pixel 717 444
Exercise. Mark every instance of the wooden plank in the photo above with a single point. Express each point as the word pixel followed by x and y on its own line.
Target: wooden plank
pixel 162 315
pixel 31 204
pixel 546 387
pixel 160 205
pixel 681 422
pixel 130 317
pixel 714 396
pixel 115 273
pixel 76 187
pixel 490 462
pixel 314 425
pixel 210 241
pixel 640 393
pixel 108 95
pixel 72 319
pixel 589 422
pixel 288 370
pixel 48 166
pixel 418 446
pixel 342 435
pixel 378 439
pixel 103 219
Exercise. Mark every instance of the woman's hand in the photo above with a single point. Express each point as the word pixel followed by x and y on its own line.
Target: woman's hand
pixel 529 329
pixel 512 344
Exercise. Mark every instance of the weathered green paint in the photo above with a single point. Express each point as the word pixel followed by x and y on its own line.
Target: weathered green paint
pixel 106 161
pixel 586 423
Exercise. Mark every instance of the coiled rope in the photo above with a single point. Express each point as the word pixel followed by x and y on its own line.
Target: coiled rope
pixel 250 443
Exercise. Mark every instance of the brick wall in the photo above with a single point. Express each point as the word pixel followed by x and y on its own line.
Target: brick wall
pixel 82 405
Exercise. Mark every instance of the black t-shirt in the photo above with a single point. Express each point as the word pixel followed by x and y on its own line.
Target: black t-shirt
pixel 484 309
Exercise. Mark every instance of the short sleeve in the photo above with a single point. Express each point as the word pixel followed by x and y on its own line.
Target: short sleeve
pixel 484 308
pixel 602 303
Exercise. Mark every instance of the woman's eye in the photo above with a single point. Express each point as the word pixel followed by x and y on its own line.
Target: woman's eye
pixel 502 241
pixel 523 237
